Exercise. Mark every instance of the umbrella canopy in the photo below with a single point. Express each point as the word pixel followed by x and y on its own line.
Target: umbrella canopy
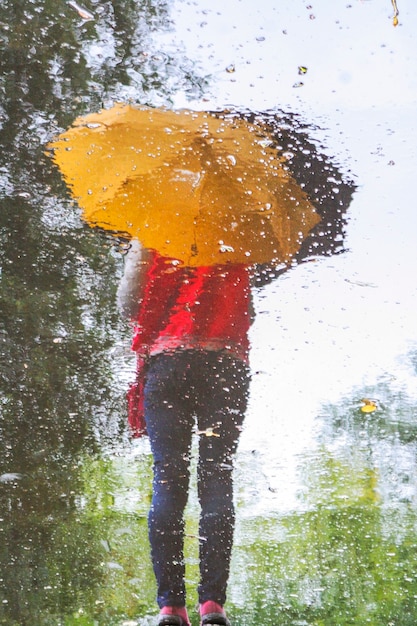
pixel 202 188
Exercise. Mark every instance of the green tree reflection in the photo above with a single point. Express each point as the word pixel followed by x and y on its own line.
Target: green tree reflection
pixel 56 380
pixel 58 324
pixel 350 555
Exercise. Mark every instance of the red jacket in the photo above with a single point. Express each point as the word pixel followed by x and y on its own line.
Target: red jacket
pixel 183 308
pixel 193 308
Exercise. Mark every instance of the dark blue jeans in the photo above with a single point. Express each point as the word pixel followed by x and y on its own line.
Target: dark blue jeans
pixel 209 389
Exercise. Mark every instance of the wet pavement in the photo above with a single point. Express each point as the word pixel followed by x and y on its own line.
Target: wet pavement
pixel 325 474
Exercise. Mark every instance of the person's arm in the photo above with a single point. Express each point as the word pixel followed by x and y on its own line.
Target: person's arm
pixel 129 292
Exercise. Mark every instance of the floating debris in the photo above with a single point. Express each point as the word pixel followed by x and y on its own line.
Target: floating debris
pixel 396 13
pixel 209 432
pixel 10 477
pixel 82 12
pixel 360 283
pixel 224 248
pixel 369 406
pixel 302 70
pixel 231 68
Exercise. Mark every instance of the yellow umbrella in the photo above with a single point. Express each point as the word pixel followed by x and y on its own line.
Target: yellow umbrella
pixel 198 187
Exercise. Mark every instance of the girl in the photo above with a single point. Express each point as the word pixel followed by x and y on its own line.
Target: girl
pixel 191 339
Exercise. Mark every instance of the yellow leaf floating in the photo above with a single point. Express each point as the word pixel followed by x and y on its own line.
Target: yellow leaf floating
pixel 369 406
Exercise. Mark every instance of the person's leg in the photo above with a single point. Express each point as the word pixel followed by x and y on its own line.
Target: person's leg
pixel 169 425
pixel 222 405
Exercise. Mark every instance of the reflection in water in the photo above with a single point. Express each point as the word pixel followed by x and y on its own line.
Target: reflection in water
pixel 192 345
pixel 212 191
pixel 192 314
pixel 73 528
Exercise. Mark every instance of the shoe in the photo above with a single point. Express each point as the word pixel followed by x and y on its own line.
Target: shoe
pixel 170 620
pixel 215 619
pixel 213 613
pixel 173 616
